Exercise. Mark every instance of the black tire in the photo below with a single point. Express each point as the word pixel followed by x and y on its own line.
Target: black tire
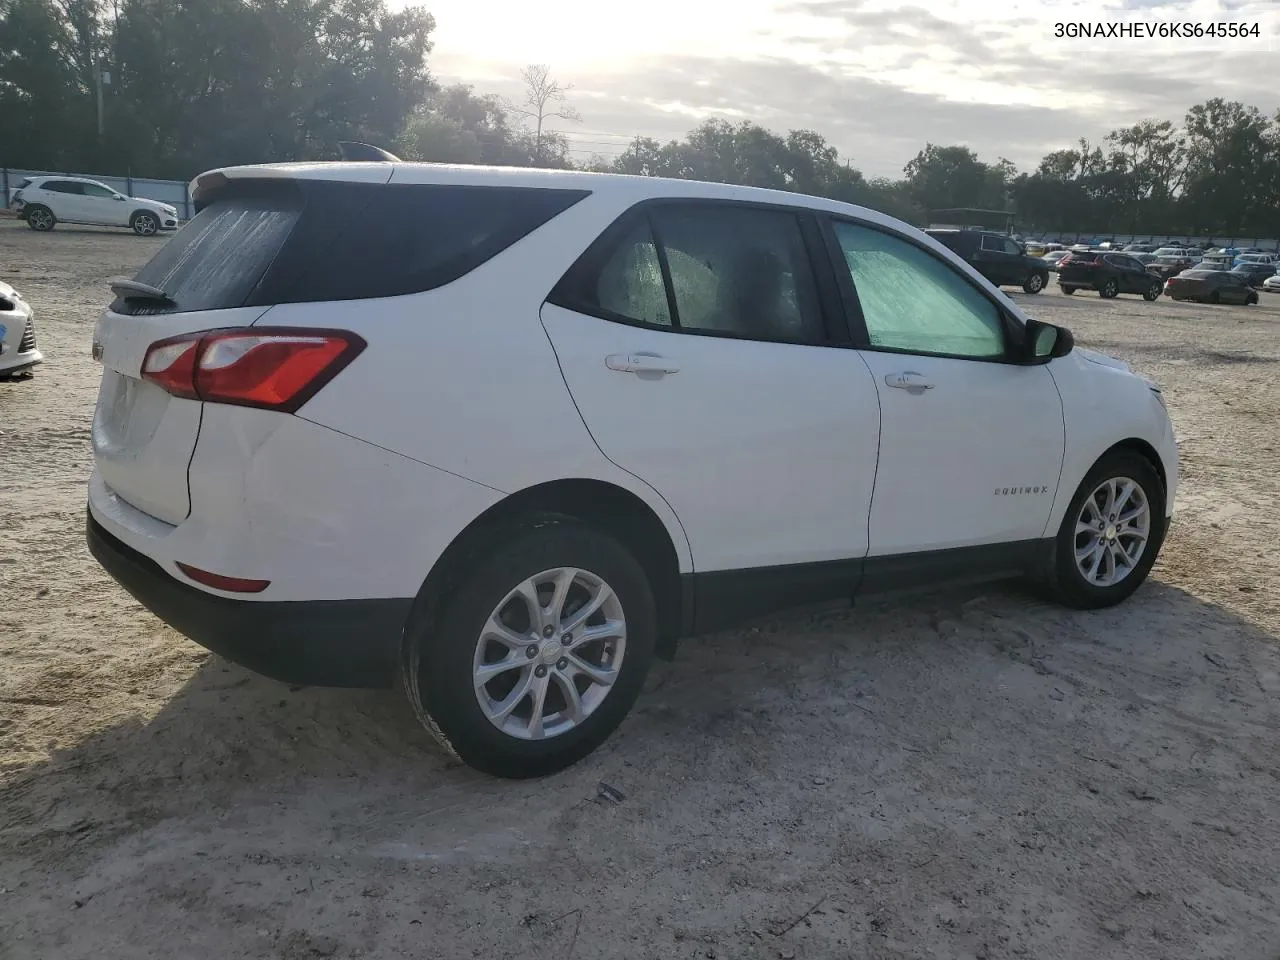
pixel 1213 298
pixel 439 648
pixel 1153 292
pixel 144 223
pixel 1064 581
pixel 1066 291
pixel 1253 298
pixel 1109 289
pixel 39 217
pixel 1035 282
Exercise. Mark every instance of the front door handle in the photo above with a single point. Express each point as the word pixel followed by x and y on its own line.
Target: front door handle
pixel 641 363
pixel 909 380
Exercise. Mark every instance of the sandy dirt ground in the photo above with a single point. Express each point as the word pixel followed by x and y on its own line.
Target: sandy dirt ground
pixel 949 776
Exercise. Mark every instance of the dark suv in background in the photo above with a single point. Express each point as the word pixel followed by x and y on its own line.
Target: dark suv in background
pixel 1000 259
pixel 1109 273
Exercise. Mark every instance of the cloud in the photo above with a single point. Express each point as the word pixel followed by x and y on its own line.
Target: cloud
pixel 880 81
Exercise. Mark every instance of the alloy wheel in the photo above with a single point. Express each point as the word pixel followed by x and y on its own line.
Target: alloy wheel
pixel 549 653
pixel 1112 530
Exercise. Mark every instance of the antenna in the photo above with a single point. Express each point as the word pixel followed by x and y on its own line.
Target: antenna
pixel 354 150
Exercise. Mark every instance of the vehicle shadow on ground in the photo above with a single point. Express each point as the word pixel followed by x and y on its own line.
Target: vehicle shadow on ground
pixel 780 759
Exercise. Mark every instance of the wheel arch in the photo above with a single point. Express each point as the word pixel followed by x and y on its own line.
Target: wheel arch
pixel 605 506
pixel 140 211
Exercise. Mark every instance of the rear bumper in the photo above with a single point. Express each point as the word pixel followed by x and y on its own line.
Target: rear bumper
pixel 332 643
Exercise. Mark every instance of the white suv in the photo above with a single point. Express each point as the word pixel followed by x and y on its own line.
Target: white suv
pixel 508 434
pixel 45 201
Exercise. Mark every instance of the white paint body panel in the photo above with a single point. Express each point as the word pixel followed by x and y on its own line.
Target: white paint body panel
pixel 767 452
pixel 319 514
pixel 752 455
pixel 1105 404
pixel 143 437
pixel 945 451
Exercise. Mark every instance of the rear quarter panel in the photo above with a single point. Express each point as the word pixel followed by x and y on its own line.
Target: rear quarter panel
pixel 463 378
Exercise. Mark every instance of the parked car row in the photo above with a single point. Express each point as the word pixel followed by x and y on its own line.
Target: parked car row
pixel 44 202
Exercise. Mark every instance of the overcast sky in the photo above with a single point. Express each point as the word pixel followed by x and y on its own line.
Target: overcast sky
pixel 877 78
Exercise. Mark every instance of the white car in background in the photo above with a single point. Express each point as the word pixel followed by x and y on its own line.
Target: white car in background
pixel 17 333
pixel 1272 284
pixel 45 202
pixel 505 435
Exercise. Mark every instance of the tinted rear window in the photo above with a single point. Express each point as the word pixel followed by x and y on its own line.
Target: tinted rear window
pixel 279 242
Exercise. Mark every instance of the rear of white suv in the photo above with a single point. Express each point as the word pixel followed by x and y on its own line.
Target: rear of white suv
pixel 504 435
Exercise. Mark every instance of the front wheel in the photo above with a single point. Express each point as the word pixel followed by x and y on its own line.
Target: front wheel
pixel 1110 289
pixel 1111 533
pixel 1066 291
pixel 145 224
pixel 1035 282
pixel 1153 292
pixel 537 651
pixel 1253 298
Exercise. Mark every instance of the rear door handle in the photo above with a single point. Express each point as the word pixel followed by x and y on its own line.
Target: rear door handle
pixel 908 380
pixel 641 363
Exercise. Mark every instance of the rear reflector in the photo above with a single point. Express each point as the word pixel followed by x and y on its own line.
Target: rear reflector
pixel 219 582
pixel 275 368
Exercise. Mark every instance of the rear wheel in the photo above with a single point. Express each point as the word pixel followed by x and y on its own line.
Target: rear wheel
pixel 40 218
pixel 1110 288
pixel 537 651
pixel 1067 291
pixel 1213 298
pixel 144 224
pixel 1253 298
pixel 1111 533
pixel 1035 282
pixel 1152 292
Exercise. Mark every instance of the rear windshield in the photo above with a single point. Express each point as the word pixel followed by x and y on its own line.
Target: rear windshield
pixel 262 243
pixel 1202 274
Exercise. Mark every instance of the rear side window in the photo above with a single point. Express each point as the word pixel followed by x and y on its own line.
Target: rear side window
pixel 62 186
pixel 263 243
pixel 728 269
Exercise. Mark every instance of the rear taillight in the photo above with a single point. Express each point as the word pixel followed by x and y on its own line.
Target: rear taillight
pixel 275 368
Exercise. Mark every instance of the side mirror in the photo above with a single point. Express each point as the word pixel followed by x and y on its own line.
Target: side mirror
pixel 1045 342
pixel 121 197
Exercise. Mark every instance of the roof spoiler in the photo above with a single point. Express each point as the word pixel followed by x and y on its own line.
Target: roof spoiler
pixel 355 151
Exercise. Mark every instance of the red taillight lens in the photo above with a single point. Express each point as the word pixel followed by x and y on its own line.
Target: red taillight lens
pixel 219 582
pixel 276 368
pixel 171 364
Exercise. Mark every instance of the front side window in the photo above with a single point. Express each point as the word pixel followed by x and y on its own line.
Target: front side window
pixel 97 190
pixel 914 302
pixel 1011 246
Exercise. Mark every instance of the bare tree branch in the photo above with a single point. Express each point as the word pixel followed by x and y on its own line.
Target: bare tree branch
pixel 544 99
